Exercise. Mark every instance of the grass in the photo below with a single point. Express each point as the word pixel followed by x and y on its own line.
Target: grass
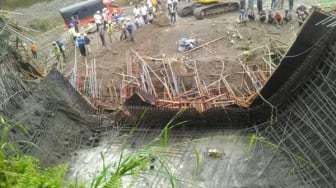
pixel 45 24
pixel 14 4
pixel 136 166
pixel 132 168
pixel 21 171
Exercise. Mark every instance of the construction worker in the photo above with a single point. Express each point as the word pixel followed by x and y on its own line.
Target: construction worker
pixel 288 16
pixel 87 43
pixel 302 13
pixel 123 34
pixel 74 22
pixel 250 15
pixel 136 11
pixel 150 6
pixel 250 4
pixel 290 5
pixel 262 16
pixel 101 33
pixel 33 49
pixel 57 51
pixel 138 22
pixel 129 27
pixel 278 20
pixel 242 15
pixel 105 17
pixel 109 30
pixel 150 17
pixel 72 32
pixel 242 4
pixel 281 4
pixel 143 12
pixel 80 43
pixel 270 18
pixel 61 47
pixel 259 5
pixel 98 19
pixel 172 9
pixel 273 4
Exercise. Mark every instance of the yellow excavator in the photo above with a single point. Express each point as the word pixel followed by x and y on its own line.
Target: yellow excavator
pixel 206 8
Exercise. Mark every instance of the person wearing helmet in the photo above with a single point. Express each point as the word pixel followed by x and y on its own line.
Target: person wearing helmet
pixel 105 15
pixel 61 47
pixel 129 27
pixel 57 51
pixel 98 19
pixel 172 9
pixel 74 23
pixel 302 13
pixel 80 42
pixel 72 32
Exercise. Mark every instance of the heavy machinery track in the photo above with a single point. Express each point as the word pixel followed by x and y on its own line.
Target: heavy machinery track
pixel 215 9
pixel 201 11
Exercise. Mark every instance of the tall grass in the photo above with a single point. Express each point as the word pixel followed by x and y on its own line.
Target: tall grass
pixel 21 171
pixel 298 158
pixel 133 168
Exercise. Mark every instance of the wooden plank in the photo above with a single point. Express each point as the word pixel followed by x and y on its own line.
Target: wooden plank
pixel 204 44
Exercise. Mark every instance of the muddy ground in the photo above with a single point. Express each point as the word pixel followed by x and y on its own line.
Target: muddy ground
pixel 161 42
pixel 158 42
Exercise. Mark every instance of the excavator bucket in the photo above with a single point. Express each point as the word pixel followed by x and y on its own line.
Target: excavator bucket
pixel 160 15
pixel 161 19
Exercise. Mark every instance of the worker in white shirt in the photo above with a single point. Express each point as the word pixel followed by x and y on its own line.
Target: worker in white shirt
pixel 143 12
pixel 98 19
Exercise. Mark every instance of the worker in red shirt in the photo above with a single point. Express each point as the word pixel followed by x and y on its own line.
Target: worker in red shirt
pixel 278 19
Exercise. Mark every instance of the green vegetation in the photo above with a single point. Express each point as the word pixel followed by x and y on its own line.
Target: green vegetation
pixel 45 24
pixel 14 4
pixel 21 171
pixel 133 167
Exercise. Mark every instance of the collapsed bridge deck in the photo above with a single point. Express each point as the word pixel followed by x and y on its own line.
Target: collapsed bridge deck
pixel 298 64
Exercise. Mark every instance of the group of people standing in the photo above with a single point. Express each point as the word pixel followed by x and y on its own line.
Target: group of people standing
pixel 143 14
pixel 273 17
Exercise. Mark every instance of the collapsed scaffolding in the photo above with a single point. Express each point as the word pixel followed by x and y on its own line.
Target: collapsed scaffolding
pixel 185 84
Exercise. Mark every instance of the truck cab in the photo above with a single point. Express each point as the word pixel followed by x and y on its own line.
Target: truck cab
pixel 113 6
pixel 84 11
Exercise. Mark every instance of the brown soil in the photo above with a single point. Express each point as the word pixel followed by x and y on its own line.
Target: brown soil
pixel 160 42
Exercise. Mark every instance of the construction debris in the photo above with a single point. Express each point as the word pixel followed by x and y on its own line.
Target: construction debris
pixel 215 153
pixel 186 44
pixel 181 83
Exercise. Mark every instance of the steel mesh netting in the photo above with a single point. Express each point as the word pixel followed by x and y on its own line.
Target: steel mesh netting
pixel 299 117
pixel 12 90
pixel 52 122
pixel 305 129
